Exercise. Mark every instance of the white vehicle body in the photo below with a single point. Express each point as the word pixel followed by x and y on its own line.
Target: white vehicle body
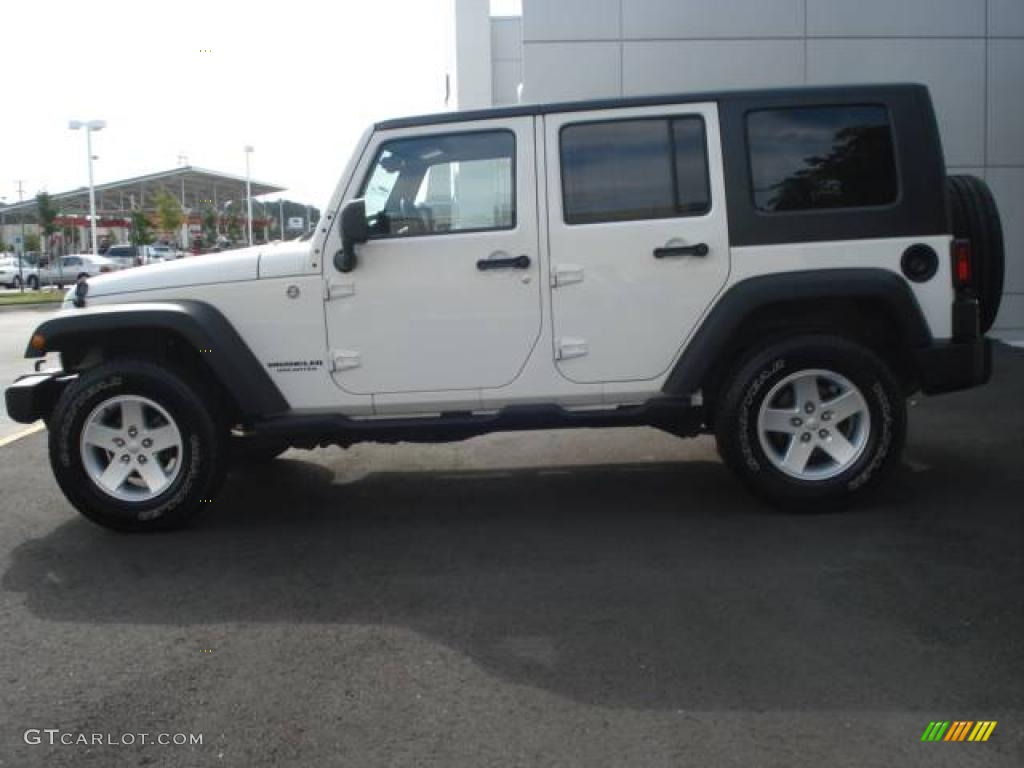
pixel 779 268
pixel 583 327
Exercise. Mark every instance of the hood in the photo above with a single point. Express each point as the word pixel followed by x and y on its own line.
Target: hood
pixel 260 261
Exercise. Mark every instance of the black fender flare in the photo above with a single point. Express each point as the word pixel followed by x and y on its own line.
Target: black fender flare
pixel 224 352
pixel 738 302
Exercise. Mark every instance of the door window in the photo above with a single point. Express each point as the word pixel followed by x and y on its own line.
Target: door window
pixel 452 183
pixel 630 170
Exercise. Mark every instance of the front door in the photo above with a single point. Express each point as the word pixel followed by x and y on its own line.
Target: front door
pixel 638 233
pixel 445 294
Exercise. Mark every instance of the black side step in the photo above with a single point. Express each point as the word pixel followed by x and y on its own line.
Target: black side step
pixel 675 415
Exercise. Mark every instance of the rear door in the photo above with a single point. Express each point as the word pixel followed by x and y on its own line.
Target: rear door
pixel 638 234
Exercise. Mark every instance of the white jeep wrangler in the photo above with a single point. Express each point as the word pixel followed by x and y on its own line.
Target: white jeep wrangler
pixel 779 268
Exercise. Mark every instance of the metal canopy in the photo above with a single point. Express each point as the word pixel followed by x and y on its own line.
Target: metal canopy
pixel 193 187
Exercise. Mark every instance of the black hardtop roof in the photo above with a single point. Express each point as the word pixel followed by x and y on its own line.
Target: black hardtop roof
pixel 797 95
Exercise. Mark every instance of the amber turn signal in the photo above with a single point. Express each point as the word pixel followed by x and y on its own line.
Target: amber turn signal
pixel 38 341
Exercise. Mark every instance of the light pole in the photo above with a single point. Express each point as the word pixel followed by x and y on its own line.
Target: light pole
pixel 90 126
pixel 248 194
pixel 21 220
pixel 281 206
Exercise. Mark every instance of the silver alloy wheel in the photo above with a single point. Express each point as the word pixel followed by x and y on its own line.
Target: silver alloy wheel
pixel 131 448
pixel 814 424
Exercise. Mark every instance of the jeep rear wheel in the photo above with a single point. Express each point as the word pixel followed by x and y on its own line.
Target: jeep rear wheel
pixel 812 421
pixel 134 447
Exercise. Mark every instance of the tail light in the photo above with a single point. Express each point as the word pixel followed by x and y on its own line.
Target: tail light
pixel 105 268
pixel 962 269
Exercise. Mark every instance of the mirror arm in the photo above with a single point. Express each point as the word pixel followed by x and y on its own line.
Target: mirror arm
pixel 345 260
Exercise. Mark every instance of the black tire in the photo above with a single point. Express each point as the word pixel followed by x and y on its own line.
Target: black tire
pixel 83 276
pixel 248 452
pixel 753 380
pixel 975 217
pixel 17 283
pixel 203 441
pixel 33 282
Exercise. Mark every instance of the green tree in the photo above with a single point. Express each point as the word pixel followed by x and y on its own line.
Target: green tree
pixel 47 212
pixel 31 241
pixel 168 213
pixel 209 220
pixel 141 234
pixel 234 225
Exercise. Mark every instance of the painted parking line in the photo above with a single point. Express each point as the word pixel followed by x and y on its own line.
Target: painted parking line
pixel 37 427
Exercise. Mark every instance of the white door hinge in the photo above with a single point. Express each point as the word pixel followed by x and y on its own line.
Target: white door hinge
pixel 338 290
pixel 344 359
pixel 566 274
pixel 567 347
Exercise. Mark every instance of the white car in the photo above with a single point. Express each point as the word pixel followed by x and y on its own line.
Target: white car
pixel 11 276
pixel 761 266
pixel 68 269
pixel 158 253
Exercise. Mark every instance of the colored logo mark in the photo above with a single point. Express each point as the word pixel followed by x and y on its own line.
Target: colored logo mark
pixel 959 730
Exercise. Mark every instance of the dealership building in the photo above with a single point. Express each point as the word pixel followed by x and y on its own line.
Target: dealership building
pixel 194 189
pixel 969 52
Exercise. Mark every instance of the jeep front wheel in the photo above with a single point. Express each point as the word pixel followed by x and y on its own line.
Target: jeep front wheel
pixel 135 448
pixel 811 421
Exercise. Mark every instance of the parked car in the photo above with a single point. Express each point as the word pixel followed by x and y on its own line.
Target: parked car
pixel 158 253
pixel 12 277
pixel 68 269
pixel 124 256
pixel 780 269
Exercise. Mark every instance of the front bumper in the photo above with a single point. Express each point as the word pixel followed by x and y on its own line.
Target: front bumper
pixel 32 397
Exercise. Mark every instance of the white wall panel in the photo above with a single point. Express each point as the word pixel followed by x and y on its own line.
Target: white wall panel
pixel 570 20
pixel 687 19
pixel 954 70
pixel 571 71
pixel 698 65
pixel 1006 17
pixel 1008 187
pixel 891 18
pixel 507 39
pixel 1006 102
pixel 506 77
pixel 1011 316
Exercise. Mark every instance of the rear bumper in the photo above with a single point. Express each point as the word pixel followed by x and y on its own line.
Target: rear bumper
pixel 32 397
pixel 954 365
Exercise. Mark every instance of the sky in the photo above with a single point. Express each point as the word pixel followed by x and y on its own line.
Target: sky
pixel 299 81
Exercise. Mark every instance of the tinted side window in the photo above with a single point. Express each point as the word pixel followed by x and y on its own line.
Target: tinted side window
pixel 440 184
pixel 821 157
pixel 634 169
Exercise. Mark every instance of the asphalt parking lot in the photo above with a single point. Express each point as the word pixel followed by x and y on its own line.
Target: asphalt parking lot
pixel 606 598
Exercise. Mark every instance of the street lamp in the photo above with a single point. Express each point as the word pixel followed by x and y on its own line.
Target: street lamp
pixel 90 126
pixel 248 193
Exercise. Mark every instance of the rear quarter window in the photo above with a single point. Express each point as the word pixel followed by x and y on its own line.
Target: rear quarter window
pixel 821 158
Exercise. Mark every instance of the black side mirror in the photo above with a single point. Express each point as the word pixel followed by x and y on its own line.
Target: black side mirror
pixel 354 229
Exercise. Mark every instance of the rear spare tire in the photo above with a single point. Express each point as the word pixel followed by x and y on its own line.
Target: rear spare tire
pixel 975 217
